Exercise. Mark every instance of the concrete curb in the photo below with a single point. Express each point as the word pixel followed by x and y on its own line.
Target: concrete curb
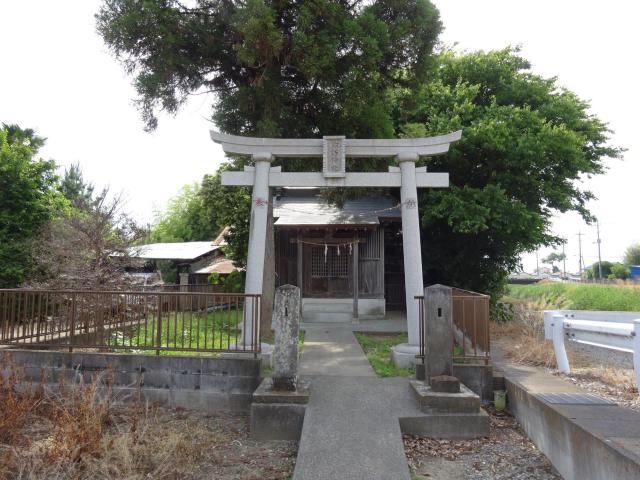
pixel 581 441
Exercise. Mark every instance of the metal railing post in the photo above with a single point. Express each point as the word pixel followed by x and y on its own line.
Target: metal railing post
pixel 258 347
pixel 636 351
pixel 72 327
pixel 159 326
pixel 558 344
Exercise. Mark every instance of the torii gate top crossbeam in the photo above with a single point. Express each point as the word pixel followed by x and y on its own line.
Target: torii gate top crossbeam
pixel 314 147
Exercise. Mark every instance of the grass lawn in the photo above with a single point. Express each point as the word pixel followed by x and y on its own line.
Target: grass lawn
pixel 625 298
pixel 377 347
pixel 184 330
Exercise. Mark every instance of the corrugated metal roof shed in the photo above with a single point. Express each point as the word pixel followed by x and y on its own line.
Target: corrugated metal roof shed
pixel 173 251
pixel 314 210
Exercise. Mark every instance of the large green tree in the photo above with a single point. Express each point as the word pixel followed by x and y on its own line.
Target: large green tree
pixel 232 206
pixel 527 144
pixel 29 197
pixel 187 217
pixel 299 69
pixel 74 187
pixel 632 254
pixel 366 69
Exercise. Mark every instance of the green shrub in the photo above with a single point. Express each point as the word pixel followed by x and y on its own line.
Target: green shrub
pixel 232 282
pixel 501 312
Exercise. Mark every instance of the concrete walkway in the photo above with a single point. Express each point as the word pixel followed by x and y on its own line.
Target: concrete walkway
pixel 333 350
pixel 351 429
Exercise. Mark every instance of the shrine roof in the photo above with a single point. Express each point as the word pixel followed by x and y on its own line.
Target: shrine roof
pixel 172 251
pixel 314 210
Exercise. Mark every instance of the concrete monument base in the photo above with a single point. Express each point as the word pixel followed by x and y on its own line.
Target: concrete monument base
pixel 460 426
pixel 450 415
pixel 278 414
pixel 404 355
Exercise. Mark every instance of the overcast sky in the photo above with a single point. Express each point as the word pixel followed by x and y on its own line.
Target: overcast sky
pixel 56 76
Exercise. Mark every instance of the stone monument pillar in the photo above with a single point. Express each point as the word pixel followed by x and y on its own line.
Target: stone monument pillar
pixel 438 332
pixel 279 403
pixel 286 322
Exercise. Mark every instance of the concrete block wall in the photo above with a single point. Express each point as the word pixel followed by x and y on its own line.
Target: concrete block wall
pixel 478 378
pixel 199 383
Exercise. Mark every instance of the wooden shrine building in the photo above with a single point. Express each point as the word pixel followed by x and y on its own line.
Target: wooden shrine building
pixel 347 260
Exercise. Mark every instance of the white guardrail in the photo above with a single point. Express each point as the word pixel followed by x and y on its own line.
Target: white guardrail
pixel 612 330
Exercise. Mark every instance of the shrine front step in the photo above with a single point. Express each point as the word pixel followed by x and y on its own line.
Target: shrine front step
pixel 329 310
pixel 340 310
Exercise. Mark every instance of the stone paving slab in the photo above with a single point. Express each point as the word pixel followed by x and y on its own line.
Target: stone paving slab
pixel 333 351
pixel 352 430
pixel 393 322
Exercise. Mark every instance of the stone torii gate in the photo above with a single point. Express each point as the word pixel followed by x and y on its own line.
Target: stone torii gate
pixel 334 150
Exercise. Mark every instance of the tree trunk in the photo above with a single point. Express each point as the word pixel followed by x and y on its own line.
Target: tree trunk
pixel 269 278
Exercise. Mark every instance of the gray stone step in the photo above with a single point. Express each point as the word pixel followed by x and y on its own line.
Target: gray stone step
pixel 444 403
pixel 448 426
pixel 327 311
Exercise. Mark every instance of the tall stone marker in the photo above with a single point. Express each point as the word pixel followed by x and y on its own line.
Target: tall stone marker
pixel 279 403
pixel 439 331
pixel 286 322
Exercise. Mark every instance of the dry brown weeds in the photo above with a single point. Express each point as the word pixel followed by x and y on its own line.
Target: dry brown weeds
pixel 522 340
pixel 82 431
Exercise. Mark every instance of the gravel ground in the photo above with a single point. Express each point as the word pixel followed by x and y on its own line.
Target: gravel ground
pixel 598 355
pixel 506 454
pixel 238 457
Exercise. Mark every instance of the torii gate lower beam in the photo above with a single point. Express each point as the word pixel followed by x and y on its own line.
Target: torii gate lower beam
pixel 334 150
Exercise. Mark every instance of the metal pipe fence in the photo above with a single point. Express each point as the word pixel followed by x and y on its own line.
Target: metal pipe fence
pixel 175 287
pixel 471 334
pixel 130 320
pixel 471 324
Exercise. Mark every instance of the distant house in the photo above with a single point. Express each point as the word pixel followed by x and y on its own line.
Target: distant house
pixel 198 259
pixel 634 272
pixel 524 278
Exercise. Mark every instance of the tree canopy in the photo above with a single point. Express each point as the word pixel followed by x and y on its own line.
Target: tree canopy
pixel 87 248
pixel 526 145
pixel 610 270
pixel 298 69
pixel 632 254
pixel 75 188
pixel 29 197
pixel 187 217
pixel 367 70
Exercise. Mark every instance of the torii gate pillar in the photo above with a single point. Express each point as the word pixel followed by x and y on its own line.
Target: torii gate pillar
pixel 411 243
pixel 334 150
pixel 257 240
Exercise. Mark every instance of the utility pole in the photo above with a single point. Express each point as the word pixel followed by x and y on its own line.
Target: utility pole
pixel 537 264
pixel 564 262
pixel 580 261
pixel 599 255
